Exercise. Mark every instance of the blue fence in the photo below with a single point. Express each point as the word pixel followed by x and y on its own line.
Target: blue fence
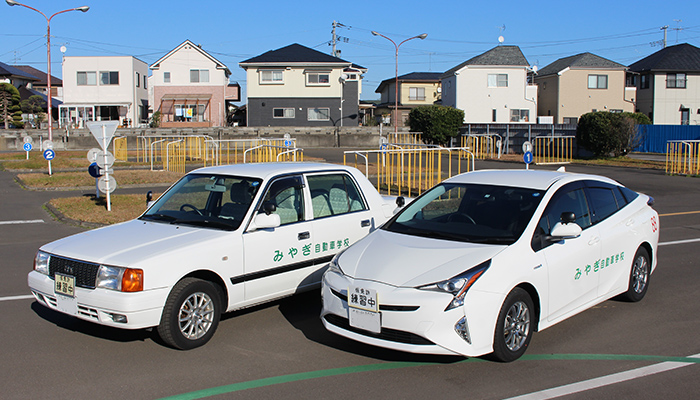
pixel 653 138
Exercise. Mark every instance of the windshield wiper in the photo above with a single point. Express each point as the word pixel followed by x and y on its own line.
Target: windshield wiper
pixel 209 223
pixel 158 217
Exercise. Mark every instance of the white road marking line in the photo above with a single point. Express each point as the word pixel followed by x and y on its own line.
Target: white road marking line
pixel 25 297
pixel 19 222
pixel 604 380
pixel 679 242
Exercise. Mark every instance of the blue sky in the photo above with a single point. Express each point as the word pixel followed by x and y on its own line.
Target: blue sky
pixel 623 32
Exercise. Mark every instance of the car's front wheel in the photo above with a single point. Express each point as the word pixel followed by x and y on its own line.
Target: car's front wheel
pixel 191 314
pixel 639 276
pixel 514 326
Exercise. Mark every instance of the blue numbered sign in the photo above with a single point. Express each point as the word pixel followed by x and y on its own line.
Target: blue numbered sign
pixel 49 154
pixel 27 147
pixel 527 157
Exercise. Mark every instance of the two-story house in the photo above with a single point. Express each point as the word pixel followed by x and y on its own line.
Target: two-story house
pixel 492 87
pixel 414 89
pixel 572 86
pixel 191 88
pixel 668 88
pixel 299 86
pixel 104 88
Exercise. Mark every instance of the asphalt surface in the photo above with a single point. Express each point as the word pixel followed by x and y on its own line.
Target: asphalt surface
pixel 281 350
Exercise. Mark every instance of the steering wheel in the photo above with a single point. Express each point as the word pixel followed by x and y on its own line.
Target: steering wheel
pixel 187 205
pixel 460 217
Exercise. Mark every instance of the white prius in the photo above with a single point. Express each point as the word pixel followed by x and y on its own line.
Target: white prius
pixel 478 263
pixel 220 239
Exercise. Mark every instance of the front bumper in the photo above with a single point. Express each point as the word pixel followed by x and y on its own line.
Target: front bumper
pixel 412 320
pixel 102 306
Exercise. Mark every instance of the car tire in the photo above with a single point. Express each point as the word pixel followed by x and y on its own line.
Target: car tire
pixel 639 276
pixel 514 326
pixel 191 314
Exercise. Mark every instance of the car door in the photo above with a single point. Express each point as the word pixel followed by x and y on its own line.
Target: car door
pixel 277 261
pixel 340 213
pixel 571 283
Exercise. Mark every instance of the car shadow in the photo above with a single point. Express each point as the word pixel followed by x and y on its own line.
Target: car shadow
pixel 303 312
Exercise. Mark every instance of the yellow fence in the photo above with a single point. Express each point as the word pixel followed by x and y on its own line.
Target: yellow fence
pixel 552 149
pixel 683 157
pixel 483 146
pixel 412 171
pixel 405 138
pixel 119 149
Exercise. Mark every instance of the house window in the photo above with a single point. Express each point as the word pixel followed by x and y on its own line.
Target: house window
pixel 570 120
pixel 597 81
pixel 519 115
pixel 644 81
pixel 271 76
pixel 318 78
pixel 109 77
pixel 189 112
pixel 498 80
pixel 319 114
pixel 138 80
pixel 416 94
pixel 685 116
pixel 631 80
pixel 493 115
pixel 199 75
pixel 166 77
pixel 675 81
pixel 87 78
pixel 145 82
pixel 283 113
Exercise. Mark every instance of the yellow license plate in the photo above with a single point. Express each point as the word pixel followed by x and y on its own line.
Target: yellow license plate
pixel 64 285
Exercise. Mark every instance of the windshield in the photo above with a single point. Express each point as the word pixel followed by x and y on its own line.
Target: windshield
pixel 469 213
pixel 210 201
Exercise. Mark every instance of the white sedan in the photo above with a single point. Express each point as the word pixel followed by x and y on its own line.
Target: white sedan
pixel 479 262
pixel 220 239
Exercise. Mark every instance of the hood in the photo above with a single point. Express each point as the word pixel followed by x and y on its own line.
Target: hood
pixel 130 243
pixel 404 260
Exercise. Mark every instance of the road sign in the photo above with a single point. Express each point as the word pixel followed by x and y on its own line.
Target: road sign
pixel 104 162
pixel 103 183
pixel 287 143
pixel 92 154
pixel 94 170
pixel 28 139
pixel 527 147
pixel 49 154
pixel 103 131
pixel 48 144
pixel 27 146
pixel 527 157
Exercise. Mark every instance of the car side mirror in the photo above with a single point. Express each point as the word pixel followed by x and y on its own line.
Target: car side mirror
pixel 269 207
pixel 567 217
pixel 400 201
pixel 264 221
pixel 562 231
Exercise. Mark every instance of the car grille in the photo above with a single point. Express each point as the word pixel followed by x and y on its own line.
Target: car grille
pixel 382 307
pixel 391 335
pixel 85 273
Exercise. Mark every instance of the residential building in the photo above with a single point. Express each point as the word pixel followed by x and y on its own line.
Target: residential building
pixel 15 76
pixel 30 81
pixel 104 88
pixel 572 86
pixel 492 87
pixel 299 86
pixel 415 89
pixel 191 88
pixel 40 84
pixel 668 88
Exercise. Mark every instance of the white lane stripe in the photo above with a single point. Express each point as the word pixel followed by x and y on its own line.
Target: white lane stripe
pixel 604 380
pixel 25 297
pixel 28 221
pixel 679 242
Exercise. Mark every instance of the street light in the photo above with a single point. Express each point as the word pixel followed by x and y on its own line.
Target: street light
pixel 396 85
pixel 48 52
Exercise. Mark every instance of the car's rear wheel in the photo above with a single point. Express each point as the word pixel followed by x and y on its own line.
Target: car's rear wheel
pixel 639 276
pixel 514 326
pixel 191 314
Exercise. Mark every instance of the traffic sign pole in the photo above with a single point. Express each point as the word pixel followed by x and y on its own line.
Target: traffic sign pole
pixel 104 147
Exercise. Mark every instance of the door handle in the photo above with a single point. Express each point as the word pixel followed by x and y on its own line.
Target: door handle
pixel 593 241
pixel 365 223
pixel 303 235
pixel 630 222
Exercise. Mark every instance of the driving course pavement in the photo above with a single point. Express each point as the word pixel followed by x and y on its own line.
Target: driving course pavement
pixel 616 350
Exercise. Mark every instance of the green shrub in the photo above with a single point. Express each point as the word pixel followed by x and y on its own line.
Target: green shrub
pixel 437 123
pixel 609 134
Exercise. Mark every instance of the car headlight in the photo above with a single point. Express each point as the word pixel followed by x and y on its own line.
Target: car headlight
pixel 41 262
pixel 334 265
pixel 119 279
pixel 458 285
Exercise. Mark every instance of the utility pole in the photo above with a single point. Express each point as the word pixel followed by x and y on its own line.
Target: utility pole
pixel 665 29
pixel 334 52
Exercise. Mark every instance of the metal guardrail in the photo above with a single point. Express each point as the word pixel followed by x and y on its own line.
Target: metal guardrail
pixel 119 148
pixel 552 149
pixel 482 145
pixel 411 171
pixel 683 157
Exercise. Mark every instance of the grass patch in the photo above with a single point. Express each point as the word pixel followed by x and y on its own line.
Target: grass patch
pixel 63 160
pixel 78 179
pixel 90 209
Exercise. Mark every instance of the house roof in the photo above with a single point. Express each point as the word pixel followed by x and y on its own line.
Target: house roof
pixel 40 75
pixel 411 77
pixel 579 61
pixel 499 55
pixel 7 70
pixel 295 54
pixel 25 93
pixel 198 47
pixel 681 57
